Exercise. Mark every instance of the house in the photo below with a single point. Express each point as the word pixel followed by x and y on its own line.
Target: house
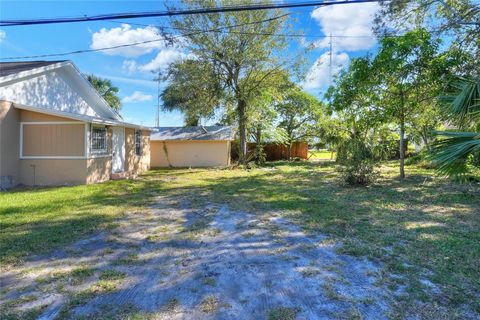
pixel 200 146
pixel 56 129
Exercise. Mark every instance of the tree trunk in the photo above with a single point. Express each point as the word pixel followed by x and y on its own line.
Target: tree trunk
pixel 258 134
pixel 402 148
pixel 425 140
pixel 242 128
pixel 290 151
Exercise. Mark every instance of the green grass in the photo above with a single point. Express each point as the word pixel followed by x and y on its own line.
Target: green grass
pixel 39 220
pixel 282 313
pixel 321 155
pixel 421 228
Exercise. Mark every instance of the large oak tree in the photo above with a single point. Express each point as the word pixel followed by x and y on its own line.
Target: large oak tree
pixel 240 52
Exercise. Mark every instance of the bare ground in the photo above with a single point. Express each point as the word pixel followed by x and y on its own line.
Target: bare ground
pixel 179 261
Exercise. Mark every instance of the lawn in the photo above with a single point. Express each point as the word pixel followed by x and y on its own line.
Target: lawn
pixel 321 155
pixel 424 231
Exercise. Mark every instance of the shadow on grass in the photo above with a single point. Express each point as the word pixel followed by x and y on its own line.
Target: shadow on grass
pixel 411 226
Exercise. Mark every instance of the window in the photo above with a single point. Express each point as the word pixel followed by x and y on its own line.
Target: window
pixel 99 139
pixel 138 142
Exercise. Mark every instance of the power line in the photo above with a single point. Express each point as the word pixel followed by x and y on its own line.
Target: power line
pixel 141 42
pixel 259 6
pixel 291 35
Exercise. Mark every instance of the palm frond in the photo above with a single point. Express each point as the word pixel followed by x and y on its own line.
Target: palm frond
pixel 462 100
pixel 450 154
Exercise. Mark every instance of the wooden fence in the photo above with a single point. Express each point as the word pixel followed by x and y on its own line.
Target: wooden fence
pixel 276 151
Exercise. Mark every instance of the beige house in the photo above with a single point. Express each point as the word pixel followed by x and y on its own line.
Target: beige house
pixel 55 129
pixel 191 146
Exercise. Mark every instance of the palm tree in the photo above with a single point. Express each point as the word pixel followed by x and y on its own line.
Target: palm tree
pixel 106 89
pixel 462 103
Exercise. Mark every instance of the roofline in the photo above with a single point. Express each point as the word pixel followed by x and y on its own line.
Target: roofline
pixel 114 112
pixel 190 140
pixel 26 73
pixel 53 66
pixel 79 117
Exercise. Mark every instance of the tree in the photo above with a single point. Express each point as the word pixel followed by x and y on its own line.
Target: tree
pixel 106 89
pixel 456 20
pixel 398 86
pixel 193 89
pixel 407 73
pixel 244 60
pixel 352 100
pixel 299 114
pixel 426 122
pixel 462 103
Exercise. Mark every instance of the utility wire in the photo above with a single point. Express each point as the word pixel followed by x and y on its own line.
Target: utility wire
pixel 292 35
pixel 259 6
pixel 143 42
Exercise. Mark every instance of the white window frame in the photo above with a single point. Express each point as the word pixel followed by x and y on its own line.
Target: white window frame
pixel 21 156
pixel 97 152
pixel 139 154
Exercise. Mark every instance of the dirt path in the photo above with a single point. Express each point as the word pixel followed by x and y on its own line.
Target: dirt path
pixel 179 262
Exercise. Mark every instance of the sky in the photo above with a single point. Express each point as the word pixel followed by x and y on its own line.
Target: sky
pixel 132 69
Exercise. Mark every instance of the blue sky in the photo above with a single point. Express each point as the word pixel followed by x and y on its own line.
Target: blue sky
pixel 132 69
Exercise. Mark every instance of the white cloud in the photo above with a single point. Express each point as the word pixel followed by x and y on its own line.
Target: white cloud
pixel 137 96
pixel 162 60
pixel 126 35
pixel 129 66
pixel 132 80
pixel 3 35
pixel 347 20
pixel 319 74
pixel 165 54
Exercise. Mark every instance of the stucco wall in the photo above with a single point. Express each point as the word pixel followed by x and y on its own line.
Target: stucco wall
pixel 133 163
pixel 30 116
pixel 47 172
pixel 57 140
pixel 189 153
pixel 9 146
pixel 99 169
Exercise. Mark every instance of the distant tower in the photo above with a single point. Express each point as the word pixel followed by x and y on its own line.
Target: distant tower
pixel 157 116
pixel 331 58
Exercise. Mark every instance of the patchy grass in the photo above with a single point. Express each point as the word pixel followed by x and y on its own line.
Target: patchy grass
pixel 210 304
pixel 209 281
pixel 112 275
pixel 423 230
pixel 282 313
pixel 131 258
pixel 172 304
pixel 37 220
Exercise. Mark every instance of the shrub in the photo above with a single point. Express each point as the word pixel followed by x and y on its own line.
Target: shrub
pixel 357 163
pixel 260 154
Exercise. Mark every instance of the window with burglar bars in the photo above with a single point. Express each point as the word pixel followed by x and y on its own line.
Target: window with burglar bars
pixel 99 139
pixel 138 142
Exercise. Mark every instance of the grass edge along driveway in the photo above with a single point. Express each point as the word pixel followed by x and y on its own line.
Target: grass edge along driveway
pixel 424 230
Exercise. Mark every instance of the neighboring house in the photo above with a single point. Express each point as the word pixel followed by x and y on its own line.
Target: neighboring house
pixel 55 129
pixel 191 146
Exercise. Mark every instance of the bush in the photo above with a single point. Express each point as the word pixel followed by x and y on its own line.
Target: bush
pixel 260 154
pixel 357 163
pixel 420 160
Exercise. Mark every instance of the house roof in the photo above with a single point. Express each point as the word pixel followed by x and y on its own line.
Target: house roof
pixel 13 72
pixel 81 117
pixel 8 68
pixel 218 133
